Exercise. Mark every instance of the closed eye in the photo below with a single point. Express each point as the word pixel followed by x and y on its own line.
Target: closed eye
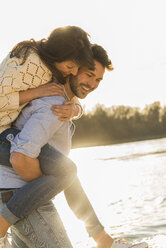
pixel 89 75
pixel 70 67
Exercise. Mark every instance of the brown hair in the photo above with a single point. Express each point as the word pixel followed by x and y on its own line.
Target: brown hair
pixel 101 56
pixel 64 43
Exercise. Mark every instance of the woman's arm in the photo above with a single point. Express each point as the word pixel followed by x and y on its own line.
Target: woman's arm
pixel 49 89
pixel 21 83
pixel 13 100
pixel 79 108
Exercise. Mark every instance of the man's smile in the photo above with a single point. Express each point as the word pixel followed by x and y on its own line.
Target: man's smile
pixel 86 89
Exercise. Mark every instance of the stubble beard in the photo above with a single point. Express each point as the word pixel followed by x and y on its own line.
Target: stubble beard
pixel 74 86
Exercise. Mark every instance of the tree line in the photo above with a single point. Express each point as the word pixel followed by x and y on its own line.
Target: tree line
pixel 117 124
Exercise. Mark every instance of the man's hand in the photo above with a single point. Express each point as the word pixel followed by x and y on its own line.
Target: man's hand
pixel 66 111
pixel 26 167
pixel 103 240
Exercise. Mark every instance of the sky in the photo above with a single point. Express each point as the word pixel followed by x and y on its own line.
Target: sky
pixel 131 31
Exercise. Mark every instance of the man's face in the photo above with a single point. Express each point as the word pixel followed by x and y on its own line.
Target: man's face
pixel 86 80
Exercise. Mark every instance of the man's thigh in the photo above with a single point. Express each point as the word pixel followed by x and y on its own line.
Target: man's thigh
pixel 43 228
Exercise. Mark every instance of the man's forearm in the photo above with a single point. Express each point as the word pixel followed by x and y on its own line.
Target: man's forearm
pixel 26 167
pixel 82 208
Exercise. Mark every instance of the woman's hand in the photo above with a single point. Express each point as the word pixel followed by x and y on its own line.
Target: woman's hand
pixel 66 111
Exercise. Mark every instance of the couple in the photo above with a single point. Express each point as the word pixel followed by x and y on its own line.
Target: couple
pixel 49 75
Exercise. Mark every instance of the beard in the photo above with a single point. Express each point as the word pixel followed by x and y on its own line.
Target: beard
pixel 74 85
pixel 79 88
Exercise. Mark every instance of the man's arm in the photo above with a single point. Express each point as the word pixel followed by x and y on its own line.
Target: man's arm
pixel 82 208
pixel 103 240
pixel 25 149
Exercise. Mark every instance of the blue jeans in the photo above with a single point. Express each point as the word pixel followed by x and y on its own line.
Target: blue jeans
pixel 60 175
pixel 42 228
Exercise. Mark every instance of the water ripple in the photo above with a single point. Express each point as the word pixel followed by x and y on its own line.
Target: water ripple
pixel 133 156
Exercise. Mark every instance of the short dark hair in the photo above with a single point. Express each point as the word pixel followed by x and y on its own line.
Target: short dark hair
pixel 100 54
pixel 64 43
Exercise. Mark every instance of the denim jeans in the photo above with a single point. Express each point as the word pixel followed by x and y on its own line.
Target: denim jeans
pixel 42 228
pixel 60 175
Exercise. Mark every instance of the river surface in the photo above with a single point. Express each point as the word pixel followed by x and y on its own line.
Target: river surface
pixel 126 183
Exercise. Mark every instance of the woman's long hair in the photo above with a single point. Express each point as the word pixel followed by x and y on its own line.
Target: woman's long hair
pixel 64 43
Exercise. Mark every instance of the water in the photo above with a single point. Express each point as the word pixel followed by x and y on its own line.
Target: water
pixel 126 184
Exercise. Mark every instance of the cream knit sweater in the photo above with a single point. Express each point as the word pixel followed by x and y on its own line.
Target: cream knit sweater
pixel 14 78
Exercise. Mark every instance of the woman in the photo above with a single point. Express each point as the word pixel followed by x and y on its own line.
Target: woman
pixel 32 64
pixel 30 72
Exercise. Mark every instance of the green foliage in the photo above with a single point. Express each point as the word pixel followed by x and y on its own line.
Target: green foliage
pixel 120 123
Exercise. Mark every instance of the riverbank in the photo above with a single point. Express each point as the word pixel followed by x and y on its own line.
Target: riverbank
pixel 87 143
pixel 106 126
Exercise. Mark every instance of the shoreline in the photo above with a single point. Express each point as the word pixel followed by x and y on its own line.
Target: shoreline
pixel 114 142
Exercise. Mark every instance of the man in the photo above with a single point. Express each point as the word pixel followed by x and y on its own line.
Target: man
pixel 43 228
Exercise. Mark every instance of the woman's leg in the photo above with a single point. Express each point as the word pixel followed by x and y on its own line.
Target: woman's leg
pixel 52 162
pixel 60 175
pixel 38 192
pixel 5 145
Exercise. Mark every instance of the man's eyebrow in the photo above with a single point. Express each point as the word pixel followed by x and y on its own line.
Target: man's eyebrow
pixel 93 74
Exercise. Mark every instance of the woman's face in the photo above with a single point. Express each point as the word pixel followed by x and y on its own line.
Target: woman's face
pixel 67 67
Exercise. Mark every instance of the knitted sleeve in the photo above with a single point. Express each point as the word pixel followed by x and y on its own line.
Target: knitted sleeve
pixel 15 77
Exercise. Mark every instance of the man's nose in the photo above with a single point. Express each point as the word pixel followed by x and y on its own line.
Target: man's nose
pixel 74 71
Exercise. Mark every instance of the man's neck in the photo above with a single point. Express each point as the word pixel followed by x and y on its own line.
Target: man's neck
pixel 68 90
